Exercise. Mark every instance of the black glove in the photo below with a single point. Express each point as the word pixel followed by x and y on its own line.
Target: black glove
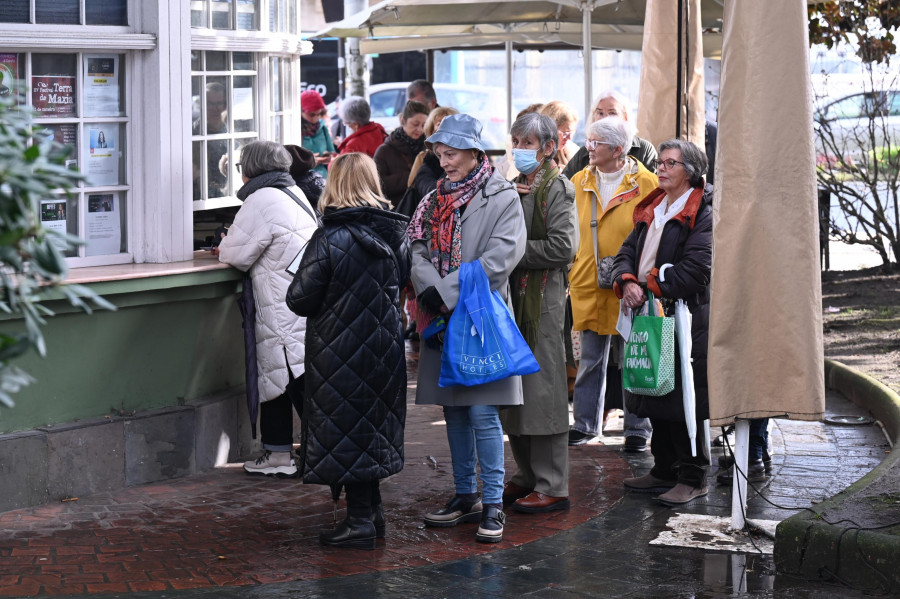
pixel 431 300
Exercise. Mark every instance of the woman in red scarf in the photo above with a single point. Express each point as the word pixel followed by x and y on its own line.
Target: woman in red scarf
pixel 474 214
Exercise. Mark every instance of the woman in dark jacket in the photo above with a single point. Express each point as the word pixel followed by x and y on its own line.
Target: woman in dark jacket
pixel 427 169
pixel 396 155
pixel 669 252
pixel 348 286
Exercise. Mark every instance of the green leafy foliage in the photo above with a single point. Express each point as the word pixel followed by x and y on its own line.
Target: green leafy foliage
pixel 32 265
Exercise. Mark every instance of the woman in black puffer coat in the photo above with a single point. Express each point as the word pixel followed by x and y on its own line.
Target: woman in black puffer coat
pixel 669 252
pixel 348 286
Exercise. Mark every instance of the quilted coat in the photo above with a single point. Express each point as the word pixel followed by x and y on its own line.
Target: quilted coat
pixel 686 244
pixel 348 286
pixel 493 232
pixel 267 234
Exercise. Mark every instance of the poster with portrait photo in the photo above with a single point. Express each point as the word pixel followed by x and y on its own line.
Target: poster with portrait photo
pixel 102 158
pixel 53 218
pixel 101 85
pixel 103 229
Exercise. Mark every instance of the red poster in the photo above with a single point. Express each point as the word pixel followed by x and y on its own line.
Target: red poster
pixel 53 96
pixel 9 71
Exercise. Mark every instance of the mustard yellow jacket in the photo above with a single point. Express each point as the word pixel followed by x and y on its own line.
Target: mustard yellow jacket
pixel 593 308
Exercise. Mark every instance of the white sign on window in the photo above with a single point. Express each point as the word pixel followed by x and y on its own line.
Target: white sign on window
pixel 101 85
pixel 103 154
pixel 103 231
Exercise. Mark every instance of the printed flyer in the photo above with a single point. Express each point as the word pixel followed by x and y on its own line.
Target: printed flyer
pixel 102 160
pixel 103 230
pixel 9 69
pixel 101 85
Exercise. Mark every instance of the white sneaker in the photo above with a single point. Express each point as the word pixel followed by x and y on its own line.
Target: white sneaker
pixel 277 463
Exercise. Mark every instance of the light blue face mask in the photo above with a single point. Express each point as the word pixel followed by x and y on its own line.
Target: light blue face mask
pixel 525 160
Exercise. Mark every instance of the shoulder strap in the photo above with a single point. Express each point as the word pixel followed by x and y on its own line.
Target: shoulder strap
pixel 313 215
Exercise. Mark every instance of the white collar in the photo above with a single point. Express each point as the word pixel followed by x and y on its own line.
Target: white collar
pixel 663 213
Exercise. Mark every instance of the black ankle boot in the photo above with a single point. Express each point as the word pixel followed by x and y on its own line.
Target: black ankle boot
pixel 352 532
pixel 378 520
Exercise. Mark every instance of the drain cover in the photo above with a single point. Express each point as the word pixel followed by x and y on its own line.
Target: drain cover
pixel 849 420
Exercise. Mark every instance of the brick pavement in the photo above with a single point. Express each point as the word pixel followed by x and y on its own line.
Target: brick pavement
pixel 226 528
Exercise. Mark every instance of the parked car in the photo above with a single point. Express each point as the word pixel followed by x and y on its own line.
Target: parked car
pixel 854 126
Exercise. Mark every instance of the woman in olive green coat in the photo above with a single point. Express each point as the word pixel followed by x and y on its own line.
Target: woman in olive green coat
pixel 538 430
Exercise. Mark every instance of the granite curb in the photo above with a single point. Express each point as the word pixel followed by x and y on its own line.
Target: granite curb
pixel 811 545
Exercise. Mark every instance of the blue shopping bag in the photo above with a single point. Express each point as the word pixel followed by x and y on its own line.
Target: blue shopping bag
pixel 482 343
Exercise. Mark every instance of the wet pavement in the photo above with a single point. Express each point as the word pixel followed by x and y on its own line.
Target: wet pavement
pixel 227 534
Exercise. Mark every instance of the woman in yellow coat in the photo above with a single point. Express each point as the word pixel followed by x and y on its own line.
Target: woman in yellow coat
pixel 606 193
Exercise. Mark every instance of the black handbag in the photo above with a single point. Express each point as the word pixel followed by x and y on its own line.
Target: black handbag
pixel 409 202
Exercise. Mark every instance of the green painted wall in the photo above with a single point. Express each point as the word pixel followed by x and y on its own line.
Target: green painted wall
pixel 174 338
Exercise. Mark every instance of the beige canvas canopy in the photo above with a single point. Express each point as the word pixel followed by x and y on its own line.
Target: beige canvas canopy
pixel 765 349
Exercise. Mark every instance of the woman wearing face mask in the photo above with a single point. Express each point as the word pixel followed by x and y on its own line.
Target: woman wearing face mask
pixel 538 429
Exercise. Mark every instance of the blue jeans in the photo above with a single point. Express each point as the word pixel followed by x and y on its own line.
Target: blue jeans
pixel 759 438
pixel 635 426
pixel 471 430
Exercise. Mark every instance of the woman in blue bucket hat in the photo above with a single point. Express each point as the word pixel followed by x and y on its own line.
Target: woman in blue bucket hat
pixel 474 214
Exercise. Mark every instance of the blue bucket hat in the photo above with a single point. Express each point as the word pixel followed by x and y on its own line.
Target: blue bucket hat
pixel 460 131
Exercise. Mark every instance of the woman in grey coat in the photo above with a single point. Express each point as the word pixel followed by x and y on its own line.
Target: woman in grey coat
pixel 539 430
pixel 474 214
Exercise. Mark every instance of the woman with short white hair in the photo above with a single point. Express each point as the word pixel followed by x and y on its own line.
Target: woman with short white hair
pixel 606 193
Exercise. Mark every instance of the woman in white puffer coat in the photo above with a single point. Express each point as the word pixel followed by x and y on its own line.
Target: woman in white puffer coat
pixel 268 232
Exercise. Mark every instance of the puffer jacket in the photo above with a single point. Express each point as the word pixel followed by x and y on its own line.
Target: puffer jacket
pixel 267 234
pixel 348 286
pixel 686 244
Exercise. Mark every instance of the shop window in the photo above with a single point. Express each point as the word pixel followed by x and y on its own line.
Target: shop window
pixel 79 102
pixel 280 105
pixel 283 16
pixel 223 101
pixel 65 12
pixel 241 15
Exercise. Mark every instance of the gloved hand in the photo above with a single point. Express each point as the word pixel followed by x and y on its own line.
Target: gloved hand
pixel 431 300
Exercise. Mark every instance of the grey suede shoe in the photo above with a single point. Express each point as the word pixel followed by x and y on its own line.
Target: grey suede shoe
pixel 648 484
pixel 682 494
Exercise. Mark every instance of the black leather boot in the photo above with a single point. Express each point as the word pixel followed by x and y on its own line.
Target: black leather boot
pixel 378 520
pixel 358 533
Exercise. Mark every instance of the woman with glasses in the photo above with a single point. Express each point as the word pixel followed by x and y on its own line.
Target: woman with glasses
pixel 606 193
pixel 669 253
pixel 316 137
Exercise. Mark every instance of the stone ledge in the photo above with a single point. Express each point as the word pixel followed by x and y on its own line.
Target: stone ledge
pixel 806 545
pixel 74 459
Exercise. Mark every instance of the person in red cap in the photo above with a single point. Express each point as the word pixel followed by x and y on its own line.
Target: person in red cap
pixel 316 137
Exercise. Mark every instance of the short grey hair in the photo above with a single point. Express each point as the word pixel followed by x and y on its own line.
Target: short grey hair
pixel 613 131
pixel 539 126
pixel 695 162
pixel 355 109
pixel 259 157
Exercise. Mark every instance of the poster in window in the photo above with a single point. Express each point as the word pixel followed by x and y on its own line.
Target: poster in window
pixel 9 68
pixel 102 166
pixel 53 218
pixel 65 135
pixel 101 85
pixel 102 225
pixel 53 96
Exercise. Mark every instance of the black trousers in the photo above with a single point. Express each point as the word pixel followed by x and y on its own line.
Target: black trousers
pixel 671 449
pixel 362 498
pixel 276 421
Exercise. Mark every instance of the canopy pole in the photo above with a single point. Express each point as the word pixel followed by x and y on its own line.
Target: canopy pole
pixel 586 10
pixel 739 487
pixel 679 67
pixel 509 84
pixel 357 80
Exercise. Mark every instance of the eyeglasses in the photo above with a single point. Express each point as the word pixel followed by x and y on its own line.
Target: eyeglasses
pixel 667 163
pixel 565 134
pixel 593 144
pixel 237 166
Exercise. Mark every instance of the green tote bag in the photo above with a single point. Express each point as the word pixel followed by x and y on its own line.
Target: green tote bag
pixel 649 367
